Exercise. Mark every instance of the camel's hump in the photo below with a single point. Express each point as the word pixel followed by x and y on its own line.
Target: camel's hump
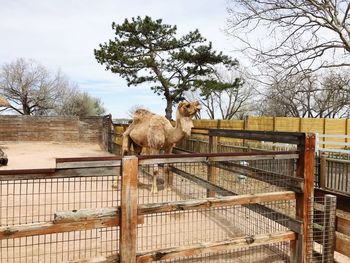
pixel 141 114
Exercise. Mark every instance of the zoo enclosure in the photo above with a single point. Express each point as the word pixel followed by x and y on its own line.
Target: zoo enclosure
pixel 72 213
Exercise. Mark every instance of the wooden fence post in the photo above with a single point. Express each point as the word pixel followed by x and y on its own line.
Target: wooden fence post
pixel 323 170
pixel 213 148
pixel 128 219
pixel 305 170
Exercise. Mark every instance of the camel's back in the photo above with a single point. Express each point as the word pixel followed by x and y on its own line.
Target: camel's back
pixel 142 115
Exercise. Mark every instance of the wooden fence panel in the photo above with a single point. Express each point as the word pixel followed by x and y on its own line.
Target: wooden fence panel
pixel 312 125
pixel 261 123
pixel 287 124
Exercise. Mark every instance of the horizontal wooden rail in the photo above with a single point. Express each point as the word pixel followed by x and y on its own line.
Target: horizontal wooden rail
pixel 203 157
pixel 282 137
pixel 202 248
pixel 10 175
pixel 337 160
pixel 215 202
pixel 87 159
pixel 198 131
pixel 342 244
pixel 67 221
pixel 212 247
pixel 88 164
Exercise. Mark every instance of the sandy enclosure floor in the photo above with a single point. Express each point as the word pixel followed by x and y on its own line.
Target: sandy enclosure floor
pixel 32 155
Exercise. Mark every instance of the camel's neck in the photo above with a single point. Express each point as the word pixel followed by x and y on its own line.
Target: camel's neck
pixel 182 128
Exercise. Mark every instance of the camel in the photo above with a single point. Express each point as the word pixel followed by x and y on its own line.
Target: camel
pixel 153 133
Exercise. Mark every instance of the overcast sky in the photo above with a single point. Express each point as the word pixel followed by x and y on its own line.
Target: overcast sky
pixel 63 34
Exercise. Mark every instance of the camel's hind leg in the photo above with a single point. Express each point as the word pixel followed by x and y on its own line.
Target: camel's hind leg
pixel 168 174
pixel 169 177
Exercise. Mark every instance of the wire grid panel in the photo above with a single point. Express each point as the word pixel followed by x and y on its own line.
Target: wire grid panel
pixel 321 241
pixel 184 228
pixel 29 201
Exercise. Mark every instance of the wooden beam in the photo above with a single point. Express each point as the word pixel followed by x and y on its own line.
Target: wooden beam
pixel 199 131
pixel 85 214
pixel 342 244
pixel 283 137
pixel 10 175
pixel 215 202
pixel 67 221
pixel 214 247
pixel 87 159
pixel 305 170
pixel 128 219
pixel 33 229
pixel 199 157
pixel 88 164
pixel 25 230
pixel 343 223
pixel 256 157
pixel 114 258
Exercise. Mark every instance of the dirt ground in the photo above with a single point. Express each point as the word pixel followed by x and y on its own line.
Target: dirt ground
pixel 32 155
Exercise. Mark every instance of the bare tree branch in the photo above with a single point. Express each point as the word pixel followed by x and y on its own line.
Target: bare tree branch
pixel 297 35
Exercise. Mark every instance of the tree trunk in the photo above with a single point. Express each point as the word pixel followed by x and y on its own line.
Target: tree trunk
pixel 169 109
pixel 26 109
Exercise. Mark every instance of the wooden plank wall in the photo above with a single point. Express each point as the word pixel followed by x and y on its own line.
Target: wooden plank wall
pixel 284 124
pixel 287 124
pixel 44 128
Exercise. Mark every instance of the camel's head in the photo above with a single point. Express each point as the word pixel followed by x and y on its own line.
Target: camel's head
pixel 188 109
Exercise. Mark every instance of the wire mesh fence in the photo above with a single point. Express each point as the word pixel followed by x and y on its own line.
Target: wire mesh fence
pixel 33 201
pixel 255 227
pixel 191 181
pixel 322 237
